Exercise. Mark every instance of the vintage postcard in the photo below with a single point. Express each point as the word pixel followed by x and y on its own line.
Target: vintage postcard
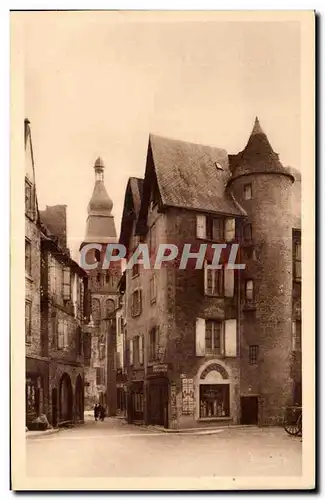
pixel 163 177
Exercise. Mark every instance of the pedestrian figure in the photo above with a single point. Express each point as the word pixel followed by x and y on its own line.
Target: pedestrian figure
pixel 102 413
pixel 96 411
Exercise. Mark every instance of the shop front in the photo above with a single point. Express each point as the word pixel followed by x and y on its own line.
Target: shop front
pixel 36 389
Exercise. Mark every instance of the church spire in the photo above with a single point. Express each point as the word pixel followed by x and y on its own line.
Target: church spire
pixel 257 129
pixel 100 226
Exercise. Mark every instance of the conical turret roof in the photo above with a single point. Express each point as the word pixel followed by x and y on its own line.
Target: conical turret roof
pixel 100 226
pixel 257 157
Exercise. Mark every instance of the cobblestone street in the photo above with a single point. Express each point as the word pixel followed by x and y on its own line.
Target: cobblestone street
pixel 116 449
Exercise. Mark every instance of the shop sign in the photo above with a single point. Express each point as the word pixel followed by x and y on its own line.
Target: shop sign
pixel 160 368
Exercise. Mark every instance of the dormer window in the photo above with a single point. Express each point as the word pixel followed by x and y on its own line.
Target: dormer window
pixel 218 165
pixel 247 192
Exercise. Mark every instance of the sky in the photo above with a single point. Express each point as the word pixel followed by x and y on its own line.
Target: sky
pixel 97 84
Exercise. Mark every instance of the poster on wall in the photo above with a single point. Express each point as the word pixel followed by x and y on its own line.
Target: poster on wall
pixel 173 402
pixel 187 396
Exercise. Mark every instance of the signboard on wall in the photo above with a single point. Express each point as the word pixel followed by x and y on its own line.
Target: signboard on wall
pixel 173 403
pixel 187 396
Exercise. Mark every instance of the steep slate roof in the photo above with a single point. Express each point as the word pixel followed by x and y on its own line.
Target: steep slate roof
pixel 131 208
pixel 189 175
pixel 257 157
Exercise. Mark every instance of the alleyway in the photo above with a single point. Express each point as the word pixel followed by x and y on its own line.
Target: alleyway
pixel 115 449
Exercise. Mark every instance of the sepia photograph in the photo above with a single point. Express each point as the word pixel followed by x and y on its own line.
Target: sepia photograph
pixel 162 173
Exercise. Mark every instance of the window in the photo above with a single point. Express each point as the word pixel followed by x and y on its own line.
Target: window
pixel 213 334
pixel 98 277
pixel 66 284
pixel 78 340
pixel 136 350
pixel 211 228
pixel 141 349
pixel 136 303
pixel 135 270
pixel 107 277
pixel 100 376
pixel 253 354
pixel 214 229
pixel 247 192
pixel 28 196
pixel 28 325
pixel 28 257
pixel 131 352
pixel 153 344
pixel 248 232
pixel 297 255
pixel 214 400
pixel 153 289
pixel 213 281
pixel 296 335
pixel 249 291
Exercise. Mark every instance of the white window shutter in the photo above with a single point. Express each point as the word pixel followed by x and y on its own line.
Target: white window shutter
pixel 230 226
pixel 200 337
pixel 231 338
pixel 131 351
pixel 201 226
pixel 229 282
pixel 141 349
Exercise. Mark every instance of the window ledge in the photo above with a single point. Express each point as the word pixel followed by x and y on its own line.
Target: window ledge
pixel 215 419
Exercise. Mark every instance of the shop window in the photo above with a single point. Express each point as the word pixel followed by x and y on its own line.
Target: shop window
pixel 214 400
pixel 247 192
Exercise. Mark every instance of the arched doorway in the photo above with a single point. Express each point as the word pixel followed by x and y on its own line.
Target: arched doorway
pixel 66 398
pixel 79 399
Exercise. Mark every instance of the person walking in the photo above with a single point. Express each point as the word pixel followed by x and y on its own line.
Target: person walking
pixel 96 411
pixel 102 413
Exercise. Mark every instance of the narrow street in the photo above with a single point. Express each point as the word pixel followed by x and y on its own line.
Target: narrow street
pixel 116 449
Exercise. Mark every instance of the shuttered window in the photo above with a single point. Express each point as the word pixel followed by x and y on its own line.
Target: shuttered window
pixel 131 351
pixel 231 338
pixel 201 226
pixel 229 282
pixel 141 349
pixel 213 337
pixel 213 281
pixel 230 229
pixel 66 284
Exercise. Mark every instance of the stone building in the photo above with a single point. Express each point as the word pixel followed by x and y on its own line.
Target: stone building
pixel 64 304
pixel 37 363
pixel 100 370
pixel 214 345
pixel 55 311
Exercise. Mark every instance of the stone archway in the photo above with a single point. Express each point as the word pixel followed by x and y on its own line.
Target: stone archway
pixel 66 399
pixel 79 399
